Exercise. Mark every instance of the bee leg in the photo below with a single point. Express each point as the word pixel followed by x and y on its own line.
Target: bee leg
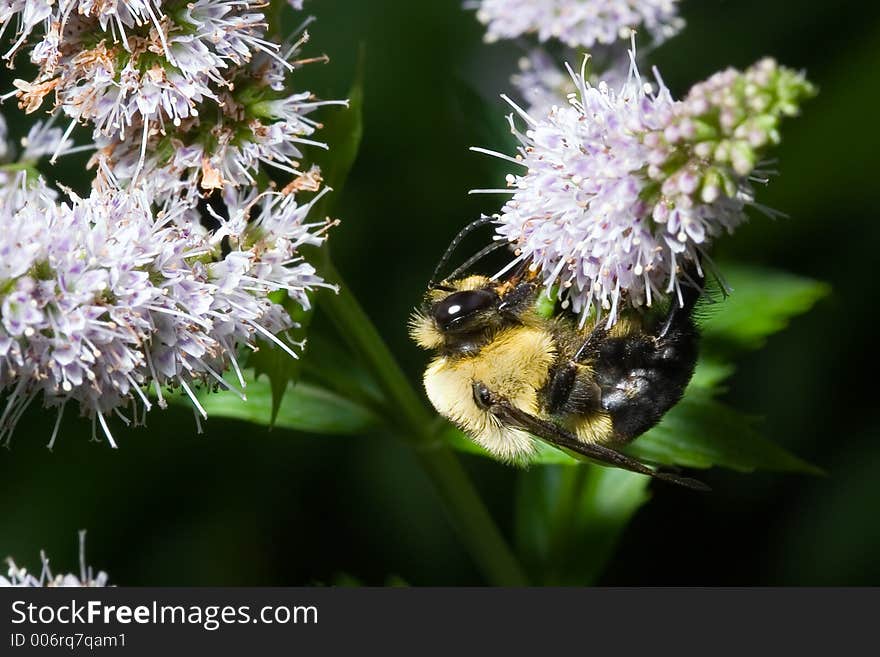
pixel 560 385
pixel 591 345
pixel 566 393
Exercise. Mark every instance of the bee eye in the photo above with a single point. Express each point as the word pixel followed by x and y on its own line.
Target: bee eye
pixel 461 305
pixel 482 396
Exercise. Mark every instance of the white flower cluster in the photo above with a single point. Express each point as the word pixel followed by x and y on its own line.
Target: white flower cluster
pixel 263 127
pixel 20 577
pixel 196 83
pixel 579 23
pixel 163 273
pixel 101 297
pixel 622 187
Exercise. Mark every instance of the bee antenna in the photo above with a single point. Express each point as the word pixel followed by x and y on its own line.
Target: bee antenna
pixel 482 253
pixel 464 232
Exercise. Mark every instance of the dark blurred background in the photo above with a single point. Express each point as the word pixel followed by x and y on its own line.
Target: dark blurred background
pixel 243 505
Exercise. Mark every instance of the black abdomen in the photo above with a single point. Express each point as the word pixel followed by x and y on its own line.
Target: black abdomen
pixel 642 376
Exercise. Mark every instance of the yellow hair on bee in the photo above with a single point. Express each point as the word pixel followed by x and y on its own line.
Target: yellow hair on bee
pixel 514 365
pixel 473 283
pixel 424 332
pixel 462 285
pixel 625 326
pixel 595 429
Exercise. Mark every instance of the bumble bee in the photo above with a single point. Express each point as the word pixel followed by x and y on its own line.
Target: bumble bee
pixel 505 373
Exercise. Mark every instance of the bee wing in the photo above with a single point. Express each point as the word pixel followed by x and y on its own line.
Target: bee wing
pixel 556 435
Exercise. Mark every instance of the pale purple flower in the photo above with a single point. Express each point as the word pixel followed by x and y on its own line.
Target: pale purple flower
pixel 43 140
pixel 151 71
pixel 623 187
pixel 267 129
pixel 110 301
pixel 104 297
pixel 541 83
pixel 578 23
pixel 144 73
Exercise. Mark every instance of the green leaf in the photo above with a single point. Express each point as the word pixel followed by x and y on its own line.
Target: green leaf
pixel 306 407
pixel 709 374
pixel 762 301
pixel 332 366
pixel 569 520
pixel 701 432
pixel 280 368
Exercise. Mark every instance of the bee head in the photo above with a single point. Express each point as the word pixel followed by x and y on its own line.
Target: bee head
pixel 462 311
pixel 459 311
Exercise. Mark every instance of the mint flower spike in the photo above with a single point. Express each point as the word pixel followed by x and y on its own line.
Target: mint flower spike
pixel 258 124
pixel 105 296
pixel 137 61
pixel 130 289
pixel 578 23
pixel 622 187
pixel 733 116
pixel 192 92
pixel 21 578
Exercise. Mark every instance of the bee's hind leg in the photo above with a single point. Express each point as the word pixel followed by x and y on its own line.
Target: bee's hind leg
pixel 567 391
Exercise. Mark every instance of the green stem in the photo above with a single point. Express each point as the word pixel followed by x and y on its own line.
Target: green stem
pixel 416 425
